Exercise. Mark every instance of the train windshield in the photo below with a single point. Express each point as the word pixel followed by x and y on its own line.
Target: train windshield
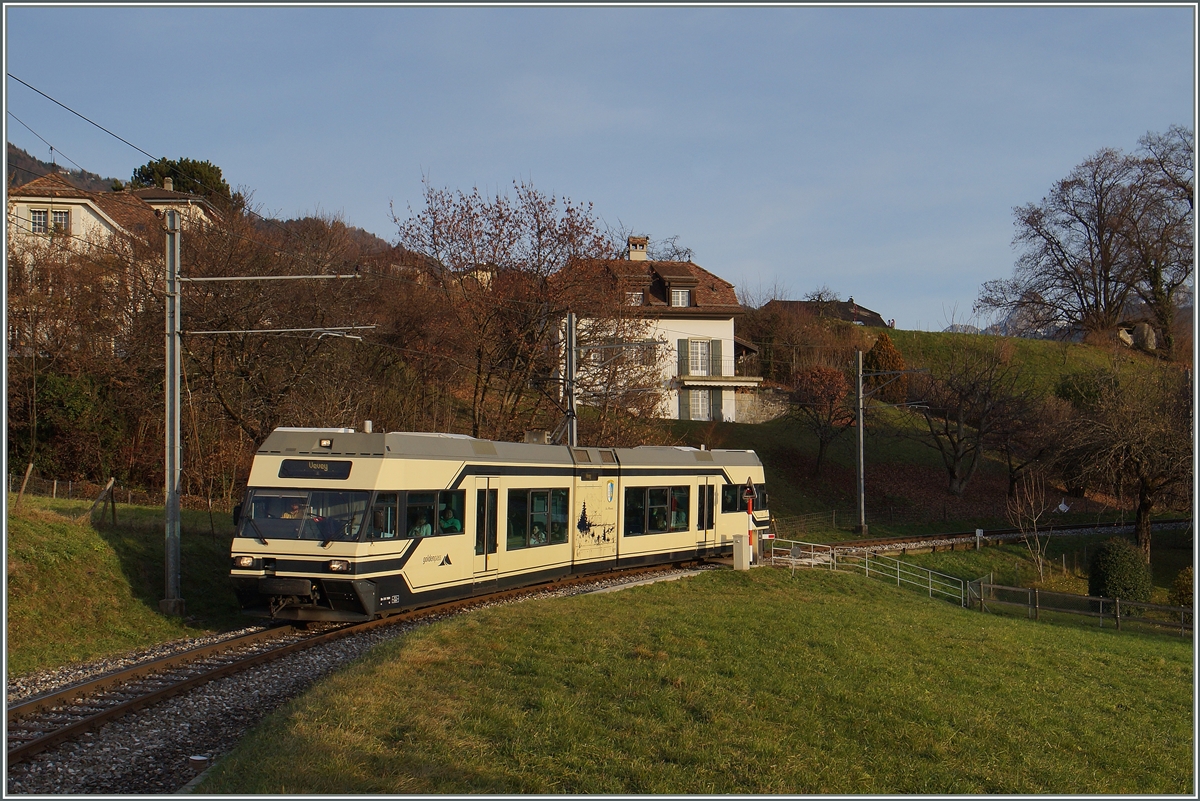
pixel 328 516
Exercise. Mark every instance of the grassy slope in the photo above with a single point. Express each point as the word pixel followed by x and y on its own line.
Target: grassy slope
pixel 756 682
pixel 78 591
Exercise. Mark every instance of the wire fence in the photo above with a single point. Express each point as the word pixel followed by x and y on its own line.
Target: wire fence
pixel 795 554
pixel 88 491
pixel 982 594
pixel 1037 604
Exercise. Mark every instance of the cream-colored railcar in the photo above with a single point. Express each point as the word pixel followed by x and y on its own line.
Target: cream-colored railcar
pixel 342 525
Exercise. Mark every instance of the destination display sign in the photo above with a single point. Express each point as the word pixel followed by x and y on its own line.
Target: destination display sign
pixel 315 468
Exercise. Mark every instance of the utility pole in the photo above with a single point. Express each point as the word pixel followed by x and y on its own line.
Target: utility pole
pixel 172 604
pixel 858 409
pixel 572 420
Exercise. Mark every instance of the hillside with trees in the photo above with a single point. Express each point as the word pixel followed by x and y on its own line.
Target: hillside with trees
pixel 457 327
pixel 23 168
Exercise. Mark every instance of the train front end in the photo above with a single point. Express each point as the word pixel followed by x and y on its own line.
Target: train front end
pixel 300 528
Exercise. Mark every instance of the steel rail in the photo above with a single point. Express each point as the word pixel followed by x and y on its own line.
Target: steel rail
pixel 25 750
pixel 50 700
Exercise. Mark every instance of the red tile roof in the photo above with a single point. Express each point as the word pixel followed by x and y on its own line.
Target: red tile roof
pixel 132 213
pixel 49 185
pixel 710 294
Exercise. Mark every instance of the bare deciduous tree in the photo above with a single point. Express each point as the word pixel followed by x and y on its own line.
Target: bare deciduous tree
pixel 1025 508
pixel 1136 436
pixel 820 402
pixel 964 403
pixel 1074 269
pixel 491 261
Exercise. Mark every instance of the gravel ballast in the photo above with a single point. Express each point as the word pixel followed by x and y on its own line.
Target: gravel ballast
pixel 151 751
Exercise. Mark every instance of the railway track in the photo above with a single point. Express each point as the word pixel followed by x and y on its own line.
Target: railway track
pixel 44 721
pixel 961 538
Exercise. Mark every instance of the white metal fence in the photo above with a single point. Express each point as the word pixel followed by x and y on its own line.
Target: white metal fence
pixel 792 553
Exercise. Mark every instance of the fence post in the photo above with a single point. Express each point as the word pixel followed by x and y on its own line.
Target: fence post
pixel 1101 613
pixel 1117 606
pixel 1029 603
pixel 54 489
pixel 1037 605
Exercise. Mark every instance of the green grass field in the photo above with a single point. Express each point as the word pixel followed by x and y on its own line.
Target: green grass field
pixel 79 591
pixel 737 682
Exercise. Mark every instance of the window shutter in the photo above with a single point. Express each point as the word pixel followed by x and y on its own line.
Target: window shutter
pixel 716 404
pixel 683 357
pixel 685 408
pixel 714 357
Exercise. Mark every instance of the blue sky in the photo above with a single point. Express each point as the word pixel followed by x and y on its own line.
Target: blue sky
pixel 876 150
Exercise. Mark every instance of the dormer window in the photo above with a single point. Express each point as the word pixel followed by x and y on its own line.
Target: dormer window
pixel 39 221
pixel 681 297
pixel 635 298
pixel 62 221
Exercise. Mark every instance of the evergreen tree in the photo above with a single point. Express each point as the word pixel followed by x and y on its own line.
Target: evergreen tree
pixel 195 177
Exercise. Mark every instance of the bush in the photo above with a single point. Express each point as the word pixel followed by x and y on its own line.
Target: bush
pixel 1181 589
pixel 1118 570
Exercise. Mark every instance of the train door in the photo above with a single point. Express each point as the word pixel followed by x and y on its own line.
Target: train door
pixel 706 512
pixel 594 524
pixel 487 496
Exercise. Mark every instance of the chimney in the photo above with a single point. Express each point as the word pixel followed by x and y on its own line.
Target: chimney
pixel 637 248
pixel 168 185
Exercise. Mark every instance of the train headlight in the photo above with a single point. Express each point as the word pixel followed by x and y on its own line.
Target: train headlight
pixel 243 562
pixel 339 566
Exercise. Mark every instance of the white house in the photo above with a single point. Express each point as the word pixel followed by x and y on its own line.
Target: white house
pixel 52 206
pixel 692 312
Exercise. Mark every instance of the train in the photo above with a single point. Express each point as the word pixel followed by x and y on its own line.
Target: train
pixel 345 525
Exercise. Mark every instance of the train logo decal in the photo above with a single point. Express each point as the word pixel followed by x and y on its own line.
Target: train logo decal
pixel 445 560
pixel 610 491
pixel 590 531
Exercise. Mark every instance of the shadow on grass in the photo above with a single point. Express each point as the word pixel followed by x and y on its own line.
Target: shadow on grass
pixel 139 537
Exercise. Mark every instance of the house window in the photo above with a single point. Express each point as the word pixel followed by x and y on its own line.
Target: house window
pixel 698 357
pixel 701 408
pixel 62 221
pixel 635 299
pixel 681 297
pixel 39 221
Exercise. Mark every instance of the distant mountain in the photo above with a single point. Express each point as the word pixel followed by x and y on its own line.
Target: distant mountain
pixel 23 168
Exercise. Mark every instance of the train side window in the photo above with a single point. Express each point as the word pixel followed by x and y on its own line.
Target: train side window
pixel 485 521
pixel 733 501
pixel 451 506
pixel 559 515
pixel 539 517
pixel 681 499
pixel 518 511
pixel 656 503
pixel 635 511
pixel 421 516
pixel 384 517
pixel 730 496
